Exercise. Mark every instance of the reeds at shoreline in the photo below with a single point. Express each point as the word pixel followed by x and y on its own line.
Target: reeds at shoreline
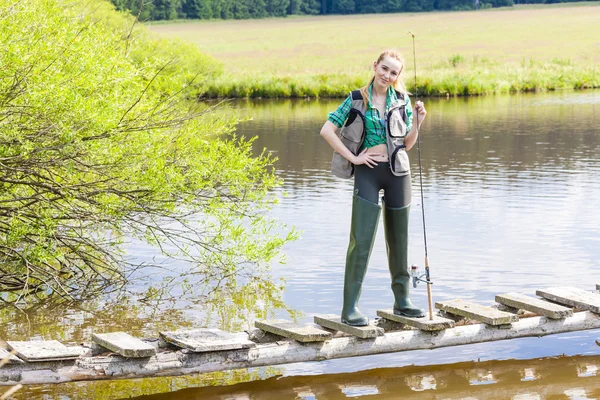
pixel 465 78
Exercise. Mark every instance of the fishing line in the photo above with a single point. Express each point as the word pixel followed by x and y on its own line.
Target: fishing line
pixel 427 276
pixel 419 143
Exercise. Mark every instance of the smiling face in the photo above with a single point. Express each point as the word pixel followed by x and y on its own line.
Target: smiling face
pixel 387 71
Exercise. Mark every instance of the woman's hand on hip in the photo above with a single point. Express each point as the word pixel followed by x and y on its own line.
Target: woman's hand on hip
pixel 365 158
pixel 420 111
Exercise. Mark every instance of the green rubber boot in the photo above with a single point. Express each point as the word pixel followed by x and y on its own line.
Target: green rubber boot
pixel 365 217
pixel 395 223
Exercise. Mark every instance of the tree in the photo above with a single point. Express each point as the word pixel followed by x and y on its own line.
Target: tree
pixel 101 144
pixel 344 7
pixel 392 6
pixel 165 9
pixel 201 9
pixel 502 3
pixel 369 6
pixel 277 8
pixel 310 7
pixel 418 5
pixel 257 8
pixel 222 9
pixel 294 7
pixel 143 9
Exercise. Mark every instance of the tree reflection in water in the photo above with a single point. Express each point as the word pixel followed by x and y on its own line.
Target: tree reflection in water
pixel 232 306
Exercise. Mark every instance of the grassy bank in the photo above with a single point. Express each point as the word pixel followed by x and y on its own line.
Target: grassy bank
pixel 530 48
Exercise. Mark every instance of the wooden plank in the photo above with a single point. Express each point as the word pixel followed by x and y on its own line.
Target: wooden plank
pixel 174 363
pixel 436 324
pixel 11 357
pixel 534 305
pixel 292 330
pixel 45 350
pixel 333 321
pixel 468 309
pixel 124 344
pixel 201 340
pixel 572 297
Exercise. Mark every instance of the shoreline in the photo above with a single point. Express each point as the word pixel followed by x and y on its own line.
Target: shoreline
pixel 317 87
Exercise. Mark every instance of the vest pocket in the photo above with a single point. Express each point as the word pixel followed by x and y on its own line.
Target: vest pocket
pixel 352 132
pixel 396 131
pixel 399 162
pixel 341 167
pixel 396 125
pixel 351 136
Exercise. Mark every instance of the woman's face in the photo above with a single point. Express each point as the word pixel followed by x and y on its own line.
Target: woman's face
pixel 387 71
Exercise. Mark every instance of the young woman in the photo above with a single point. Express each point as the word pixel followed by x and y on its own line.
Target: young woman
pixel 377 129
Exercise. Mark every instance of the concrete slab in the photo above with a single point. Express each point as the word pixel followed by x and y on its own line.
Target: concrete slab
pixel 205 340
pixel 572 297
pixel 124 344
pixel 437 323
pixel 478 312
pixel 333 321
pixel 45 350
pixel 390 326
pixel 10 358
pixel 535 305
pixel 292 330
pixel 259 336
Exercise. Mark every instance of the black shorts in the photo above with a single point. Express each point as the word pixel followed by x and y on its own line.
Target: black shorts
pixel 369 181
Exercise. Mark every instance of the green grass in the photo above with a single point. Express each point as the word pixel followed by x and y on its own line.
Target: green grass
pixel 524 48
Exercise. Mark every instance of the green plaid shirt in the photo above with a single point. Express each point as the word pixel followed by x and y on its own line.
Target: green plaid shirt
pixel 374 122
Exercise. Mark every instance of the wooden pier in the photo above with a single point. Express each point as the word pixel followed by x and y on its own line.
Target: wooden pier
pixel 118 355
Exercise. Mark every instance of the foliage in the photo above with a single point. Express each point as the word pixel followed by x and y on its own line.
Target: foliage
pixel 100 144
pixel 459 77
pixel 243 9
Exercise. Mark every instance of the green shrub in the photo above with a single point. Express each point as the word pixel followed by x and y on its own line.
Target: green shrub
pixel 100 143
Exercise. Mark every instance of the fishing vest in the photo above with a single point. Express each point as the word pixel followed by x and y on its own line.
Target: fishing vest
pixel 353 133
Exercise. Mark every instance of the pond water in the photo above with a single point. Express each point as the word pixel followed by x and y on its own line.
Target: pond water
pixel 511 188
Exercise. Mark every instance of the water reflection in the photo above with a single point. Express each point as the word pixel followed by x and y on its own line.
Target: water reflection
pixel 550 378
pixel 233 306
pixel 510 185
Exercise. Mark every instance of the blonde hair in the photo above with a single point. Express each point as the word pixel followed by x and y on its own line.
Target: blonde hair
pixel 398 84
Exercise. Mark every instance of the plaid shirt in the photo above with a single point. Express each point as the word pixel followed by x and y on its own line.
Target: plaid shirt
pixel 374 123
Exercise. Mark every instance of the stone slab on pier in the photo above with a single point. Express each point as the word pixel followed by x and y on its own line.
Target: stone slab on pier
pixel 45 350
pixel 124 344
pixel 292 330
pixel 478 312
pixel 437 323
pixel 333 321
pixel 11 357
pixel 535 305
pixel 203 340
pixel 572 297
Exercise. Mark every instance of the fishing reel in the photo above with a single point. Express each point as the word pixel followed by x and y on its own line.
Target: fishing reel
pixel 417 277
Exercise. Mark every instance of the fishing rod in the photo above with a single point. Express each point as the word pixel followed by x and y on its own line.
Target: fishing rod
pixel 415 269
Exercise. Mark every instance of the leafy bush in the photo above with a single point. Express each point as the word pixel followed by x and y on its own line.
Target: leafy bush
pixel 100 143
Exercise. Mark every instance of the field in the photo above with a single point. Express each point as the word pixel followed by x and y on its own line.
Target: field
pixel 522 48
